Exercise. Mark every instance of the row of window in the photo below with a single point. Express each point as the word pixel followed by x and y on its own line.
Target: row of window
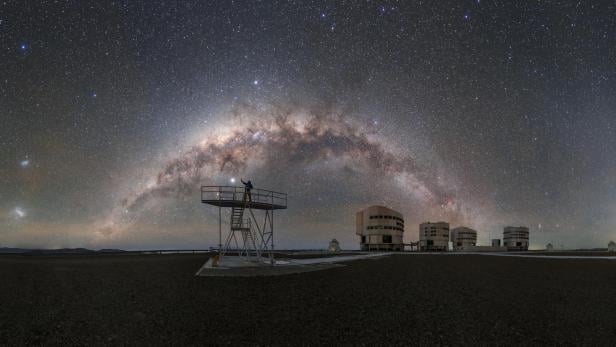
pixel 508 233
pixel 464 233
pixel 433 234
pixel 387 217
pixel 434 229
pixel 460 244
pixel 388 227
pixel 515 244
pixel 385 238
pixel 508 237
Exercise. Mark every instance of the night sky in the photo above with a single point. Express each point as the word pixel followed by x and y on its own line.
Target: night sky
pixel 481 113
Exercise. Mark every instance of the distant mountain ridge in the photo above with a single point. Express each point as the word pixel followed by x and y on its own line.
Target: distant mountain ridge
pixel 11 250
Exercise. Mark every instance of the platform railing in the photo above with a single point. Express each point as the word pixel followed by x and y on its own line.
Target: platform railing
pixel 233 193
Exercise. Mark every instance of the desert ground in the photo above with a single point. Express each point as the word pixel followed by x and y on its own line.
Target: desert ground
pixel 399 299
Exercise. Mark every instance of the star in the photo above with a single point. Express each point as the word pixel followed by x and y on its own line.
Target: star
pixel 19 212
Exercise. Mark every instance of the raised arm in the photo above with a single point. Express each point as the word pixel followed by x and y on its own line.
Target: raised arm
pixel 242 181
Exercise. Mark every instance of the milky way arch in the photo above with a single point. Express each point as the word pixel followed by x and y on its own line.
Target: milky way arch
pixel 262 139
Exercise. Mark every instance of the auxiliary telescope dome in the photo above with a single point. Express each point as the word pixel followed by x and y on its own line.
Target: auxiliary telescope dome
pixel 334 246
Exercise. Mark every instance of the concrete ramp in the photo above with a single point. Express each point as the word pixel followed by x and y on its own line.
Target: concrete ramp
pixel 233 266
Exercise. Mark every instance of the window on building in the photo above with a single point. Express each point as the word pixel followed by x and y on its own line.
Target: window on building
pixel 363 239
pixel 386 238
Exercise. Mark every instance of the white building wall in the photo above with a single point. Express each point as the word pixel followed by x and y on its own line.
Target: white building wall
pixel 434 236
pixel 463 237
pixel 380 228
pixel 516 238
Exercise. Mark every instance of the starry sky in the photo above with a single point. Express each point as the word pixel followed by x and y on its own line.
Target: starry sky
pixel 480 113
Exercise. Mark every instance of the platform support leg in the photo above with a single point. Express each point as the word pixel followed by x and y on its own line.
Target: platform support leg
pixel 219 232
pixel 272 239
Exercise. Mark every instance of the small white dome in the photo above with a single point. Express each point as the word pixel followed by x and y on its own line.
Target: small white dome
pixel 334 246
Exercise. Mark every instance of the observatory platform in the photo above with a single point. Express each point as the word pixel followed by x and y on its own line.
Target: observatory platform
pixel 232 266
pixel 230 196
pixel 250 237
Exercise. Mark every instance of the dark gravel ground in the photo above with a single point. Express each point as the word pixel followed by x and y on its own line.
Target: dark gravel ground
pixel 575 253
pixel 402 299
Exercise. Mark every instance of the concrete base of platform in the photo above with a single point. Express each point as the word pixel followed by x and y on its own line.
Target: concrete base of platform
pixel 233 266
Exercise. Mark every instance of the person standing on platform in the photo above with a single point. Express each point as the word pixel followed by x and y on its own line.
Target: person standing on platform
pixel 247 188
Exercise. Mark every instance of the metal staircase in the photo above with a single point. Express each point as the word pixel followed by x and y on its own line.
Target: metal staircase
pixel 237 214
pixel 247 245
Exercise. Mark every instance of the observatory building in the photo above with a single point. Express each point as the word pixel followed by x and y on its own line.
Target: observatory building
pixel 463 237
pixel 434 236
pixel 611 247
pixel 380 229
pixel 516 238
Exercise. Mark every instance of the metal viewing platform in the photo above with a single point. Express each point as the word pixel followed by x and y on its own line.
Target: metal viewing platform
pixel 251 237
pixel 230 196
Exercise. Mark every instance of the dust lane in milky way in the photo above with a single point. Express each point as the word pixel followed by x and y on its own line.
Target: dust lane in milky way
pixel 289 148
